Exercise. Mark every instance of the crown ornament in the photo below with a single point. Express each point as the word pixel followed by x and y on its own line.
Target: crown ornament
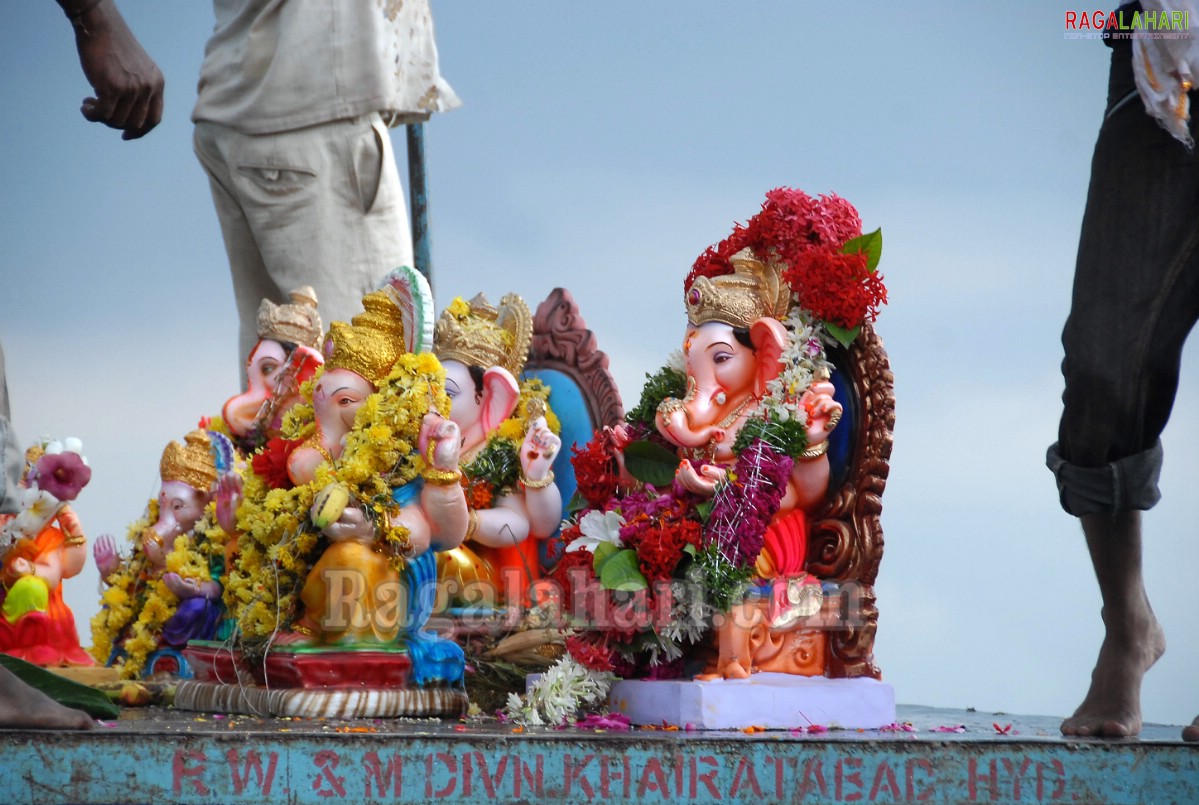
pixel 478 334
pixel 754 290
pixel 371 344
pixel 297 322
pixel 191 462
pixel 32 454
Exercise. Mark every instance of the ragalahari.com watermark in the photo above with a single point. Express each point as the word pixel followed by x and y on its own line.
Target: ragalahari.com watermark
pixel 1122 24
pixel 583 604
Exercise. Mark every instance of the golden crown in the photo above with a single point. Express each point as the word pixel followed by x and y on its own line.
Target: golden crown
pixel 754 290
pixel 481 335
pixel 297 322
pixel 192 462
pixel 371 344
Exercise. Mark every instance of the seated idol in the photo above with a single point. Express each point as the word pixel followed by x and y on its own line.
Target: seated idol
pixel 507 448
pixel 351 460
pixel 285 356
pixel 40 547
pixel 168 590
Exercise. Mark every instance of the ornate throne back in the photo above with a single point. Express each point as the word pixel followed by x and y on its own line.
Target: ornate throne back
pixel 845 543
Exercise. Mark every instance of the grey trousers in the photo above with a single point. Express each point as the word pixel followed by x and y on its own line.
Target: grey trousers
pixel 320 206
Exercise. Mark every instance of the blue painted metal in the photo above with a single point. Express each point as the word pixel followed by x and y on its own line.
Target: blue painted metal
pixel 418 201
pixel 164 756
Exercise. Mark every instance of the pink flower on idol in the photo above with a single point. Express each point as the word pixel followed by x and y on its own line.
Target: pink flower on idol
pixel 812 347
pixel 62 475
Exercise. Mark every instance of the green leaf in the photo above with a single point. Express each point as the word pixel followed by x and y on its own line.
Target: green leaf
pixel 603 552
pixel 62 690
pixel 577 503
pixel 844 336
pixel 690 549
pixel 789 438
pixel 704 510
pixel 650 463
pixel 871 243
pixel 621 572
pixel 666 382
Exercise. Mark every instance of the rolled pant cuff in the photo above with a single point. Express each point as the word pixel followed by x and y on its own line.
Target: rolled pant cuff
pixel 1127 484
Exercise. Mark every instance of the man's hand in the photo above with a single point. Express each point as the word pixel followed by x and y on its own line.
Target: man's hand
pixel 127 82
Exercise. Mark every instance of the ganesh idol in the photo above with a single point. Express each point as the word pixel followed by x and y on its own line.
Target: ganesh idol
pixel 348 518
pixel 507 447
pixel 167 591
pixel 285 357
pixel 733 356
pixel 708 488
pixel 732 352
pixel 40 547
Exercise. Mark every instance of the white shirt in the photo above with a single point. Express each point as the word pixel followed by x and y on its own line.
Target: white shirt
pixel 1165 67
pixel 279 65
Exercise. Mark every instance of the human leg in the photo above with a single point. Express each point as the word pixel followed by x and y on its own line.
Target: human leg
pixel 251 281
pixel 323 206
pixel 1136 285
pixel 1133 639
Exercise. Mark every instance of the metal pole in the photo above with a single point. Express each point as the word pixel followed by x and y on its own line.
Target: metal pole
pixel 418 201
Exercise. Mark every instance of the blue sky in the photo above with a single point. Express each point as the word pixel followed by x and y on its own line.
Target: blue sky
pixel 602 147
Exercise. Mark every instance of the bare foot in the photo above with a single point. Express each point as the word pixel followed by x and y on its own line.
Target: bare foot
pixel 23 707
pixel 1191 733
pixel 1112 707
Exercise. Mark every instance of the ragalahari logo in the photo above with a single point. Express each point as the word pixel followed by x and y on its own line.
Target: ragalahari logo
pixel 1123 24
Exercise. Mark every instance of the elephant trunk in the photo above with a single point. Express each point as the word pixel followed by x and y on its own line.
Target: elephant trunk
pixel 674 421
pixel 166 526
pixel 240 412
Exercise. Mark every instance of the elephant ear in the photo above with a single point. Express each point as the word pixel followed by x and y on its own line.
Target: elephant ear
pixel 500 395
pixel 306 361
pixel 769 338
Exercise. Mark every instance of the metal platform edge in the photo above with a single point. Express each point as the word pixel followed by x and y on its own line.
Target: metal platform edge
pixel 168 756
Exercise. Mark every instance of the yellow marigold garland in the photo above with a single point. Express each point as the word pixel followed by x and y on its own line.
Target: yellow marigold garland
pixel 279 545
pixel 494 471
pixel 135 606
pixel 514 427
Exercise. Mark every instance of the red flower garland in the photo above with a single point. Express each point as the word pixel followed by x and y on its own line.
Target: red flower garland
pixel 271 463
pixel 596 471
pixel 591 650
pixel 807 235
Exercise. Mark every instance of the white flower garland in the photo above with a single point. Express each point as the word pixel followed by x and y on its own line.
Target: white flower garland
pixel 802 357
pixel 556 698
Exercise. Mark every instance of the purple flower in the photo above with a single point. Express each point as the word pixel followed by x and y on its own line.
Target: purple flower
pixel 812 347
pixel 666 670
pixel 62 475
pixel 742 512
